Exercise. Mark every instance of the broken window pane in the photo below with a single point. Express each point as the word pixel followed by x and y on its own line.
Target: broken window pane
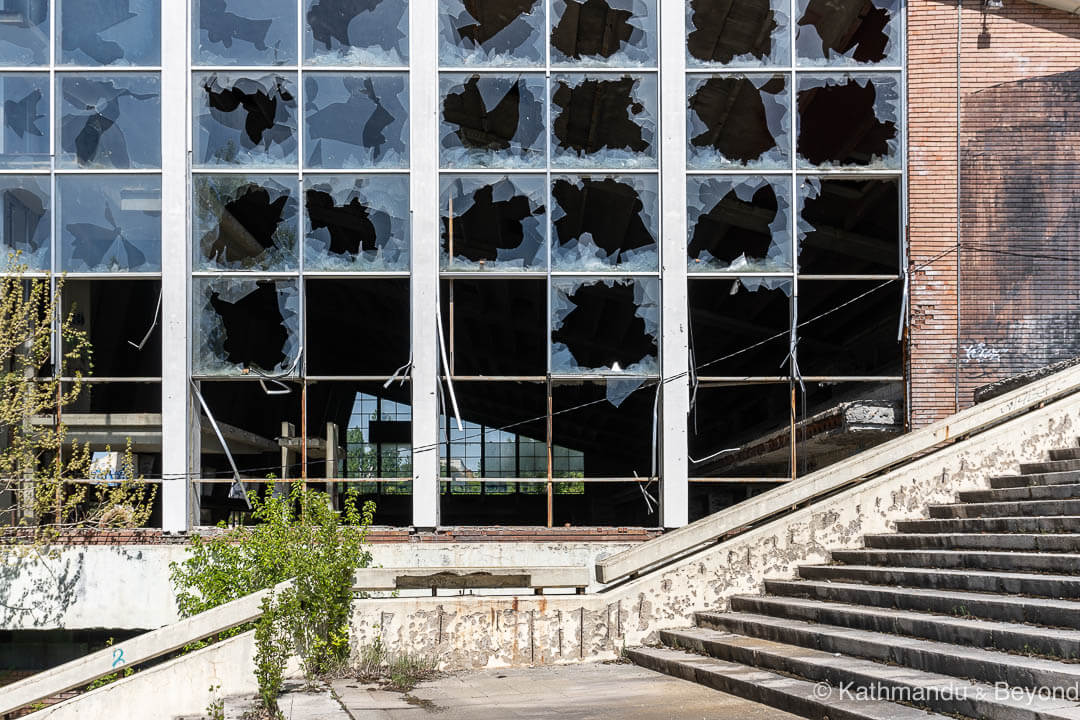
pixel 244 32
pixel 356 222
pixel 740 327
pixel 27 218
pixel 739 223
pixel 848 32
pixel 849 227
pixel 245 222
pixel 242 325
pixel 605 223
pixel 356 121
pixel 357 327
pixel 601 122
pixel 245 120
pixel 745 33
pixel 357 32
pixel 110 121
pixel 607 326
pixel 616 33
pixel 850 328
pixel 109 32
pixel 753 424
pixel 116 315
pixel 491 32
pixel 24 33
pixel 109 223
pixel 849 120
pixel 498 326
pixel 738 121
pixel 492 222
pixel 26 120
pixel 492 120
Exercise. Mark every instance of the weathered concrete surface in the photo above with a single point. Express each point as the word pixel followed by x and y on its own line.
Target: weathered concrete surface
pixel 471 632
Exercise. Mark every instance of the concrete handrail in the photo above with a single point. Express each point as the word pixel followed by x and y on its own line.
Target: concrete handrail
pixel 718 526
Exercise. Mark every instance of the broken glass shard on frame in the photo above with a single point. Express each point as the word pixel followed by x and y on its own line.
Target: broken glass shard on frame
pixel 849 120
pixel 356 222
pixel 613 33
pixel 849 226
pixel 356 121
pixel 492 121
pixel 503 33
pixel 605 326
pixel 109 32
pixel 358 33
pixel 244 326
pixel 24 33
pixel 246 222
pixel 848 32
pixel 245 120
pixel 738 121
pixel 27 219
pixel 493 222
pixel 605 223
pixel 604 121
pixel 739 223
pixel 243 32
pixel 109 223
pixel 26 120
pixel 110 121
pixel 737 33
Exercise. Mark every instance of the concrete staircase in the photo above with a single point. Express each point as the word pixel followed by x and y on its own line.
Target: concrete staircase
pixel 974 612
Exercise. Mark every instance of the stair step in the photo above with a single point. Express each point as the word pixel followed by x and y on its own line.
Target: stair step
pixel 1005 608
pixel 1030 542
pixel 1050 524
pixel 1024 508
pixel 1049 466
pixel 975 663
pixel 1060 563
pixel 954 696
pixel 1051 586
pixel 1063 491
pixel 1072 453
pixel 1012 637
pixel 1053 478
pixel 793 695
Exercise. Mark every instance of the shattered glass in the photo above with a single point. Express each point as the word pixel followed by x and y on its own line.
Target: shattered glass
pixel 505 33
pixel 605 223
pixel 604 121
pixel 738 121
pixel 356 222
pixel 849 226
pixel 492 121
pixel 109 223
pixel 24 33
pixel 27 224
pixel 740 327
pixel 26 120
pixel 109 32
pixel 110 121
pixel 244 326
pixel 243 32
pixel 605 326
pixel 613 33
pixel 739 223
pixel 357 33
pixel 737 33
pixel 848 32
pixel 493 222
pixel 849 120
pixel 246 222
pixel 356 121
pixel 245 120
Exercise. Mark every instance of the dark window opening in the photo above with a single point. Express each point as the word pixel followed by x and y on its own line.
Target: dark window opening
pixel 246 223
pixel 593 27
pixel 604 325
pixel 839 420
pixel 498 327
pixel 740 327
pixel 740 118
pixel 726 30
pixel 860 338
pixel 740 431
pixel 357 327
pixel 850 227
pixel 738 224
pixel 858 29
pixel 853 123
pixel 116 316
pixel 492 17
pixel 494 223
pixel 595 115
pixel 247 326
pixel 602 220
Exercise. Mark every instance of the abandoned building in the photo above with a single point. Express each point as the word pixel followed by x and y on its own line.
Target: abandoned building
pixel 537 262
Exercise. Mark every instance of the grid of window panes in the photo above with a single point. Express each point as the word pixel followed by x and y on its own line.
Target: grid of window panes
pixel 366 452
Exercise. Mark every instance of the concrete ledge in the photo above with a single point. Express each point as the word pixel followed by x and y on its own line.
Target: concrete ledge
pixel 460 578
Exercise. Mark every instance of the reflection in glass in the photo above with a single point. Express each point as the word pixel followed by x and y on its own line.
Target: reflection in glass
pixel 26 120
pixel 356 222
pixel 605 223
pixel 739 223
pixel 109 32
pixel 110 121
pixel 491 32
pixel 847 120
pixel 848 32
pixel 616 33
pixel 605 325
pixel 492 222
pixel 243 120
pixel 738 121
pixel 492 121
pixel 245 222
pixel 747 33
pixel 356 32
pixel 109 223
pixel 245 325
pixel 27 219
pixel 602 122
pixel 24 33
pixel 356 121
pixel 244 32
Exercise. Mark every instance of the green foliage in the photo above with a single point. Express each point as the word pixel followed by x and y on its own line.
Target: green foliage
pixel 271 651
pixel 215 709
pixel 397 671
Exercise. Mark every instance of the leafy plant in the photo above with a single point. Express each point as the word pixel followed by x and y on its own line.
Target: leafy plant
pixel 215 709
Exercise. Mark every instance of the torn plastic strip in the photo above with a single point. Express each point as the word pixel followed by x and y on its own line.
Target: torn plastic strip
pixel 402 372
pixel 903 307
pixel 446 364
pixel 237 483
pixel 154 324
pixel 276 379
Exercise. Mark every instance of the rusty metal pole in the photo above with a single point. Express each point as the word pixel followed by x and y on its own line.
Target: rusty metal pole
pixel 550 484
pixel 794 444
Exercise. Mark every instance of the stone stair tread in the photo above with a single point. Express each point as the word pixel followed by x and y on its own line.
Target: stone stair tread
pixel 1008 574
pixel 958 595
pixel 969 525
pixel 989 538
pixel 903 552
pixel 975 559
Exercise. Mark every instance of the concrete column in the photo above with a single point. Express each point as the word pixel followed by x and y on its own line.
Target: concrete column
pixel 674 497
pixel 424 196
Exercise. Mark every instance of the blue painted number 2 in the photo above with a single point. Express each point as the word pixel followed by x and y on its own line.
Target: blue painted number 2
pixel 118 657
